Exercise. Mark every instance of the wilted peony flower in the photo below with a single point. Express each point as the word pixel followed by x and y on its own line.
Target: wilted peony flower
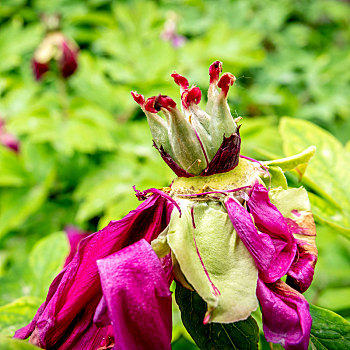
pixel 217 230
pixel 58 48
pixel 6 139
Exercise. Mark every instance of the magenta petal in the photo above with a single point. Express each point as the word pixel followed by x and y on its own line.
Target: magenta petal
pixel 101 317
pixel 76 292
pixel 74 236
pixel 139 301
pixel 269 220
pixel 286 315
pixel 259 244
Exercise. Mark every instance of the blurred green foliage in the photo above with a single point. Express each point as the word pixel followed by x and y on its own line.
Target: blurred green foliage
pixel 84 142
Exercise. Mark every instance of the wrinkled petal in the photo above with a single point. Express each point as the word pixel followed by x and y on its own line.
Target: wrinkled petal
pixel 268 219
pixel 74 236
pixel 286 315
pixel 295 206
pixel 226 157
pixel 76 292
pixel 139 301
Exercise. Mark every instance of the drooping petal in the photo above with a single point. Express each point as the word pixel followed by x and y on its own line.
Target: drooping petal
pixel 75 293
pixel 269 220
pixel 286 316
pixel 295 206
pixel 138 298
pixel 259 244
pixel 74 236
pixel 214 260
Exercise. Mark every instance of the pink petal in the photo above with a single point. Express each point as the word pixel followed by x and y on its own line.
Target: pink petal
pixel 286 316
pixel 138 298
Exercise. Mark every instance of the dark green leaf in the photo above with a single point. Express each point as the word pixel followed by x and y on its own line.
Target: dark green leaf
pixel 329 331
pixel 242 335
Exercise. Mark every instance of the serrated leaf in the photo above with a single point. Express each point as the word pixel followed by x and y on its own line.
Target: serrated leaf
pixel 17 314
pixel 242 335
pixel 329 331
pixel 328 173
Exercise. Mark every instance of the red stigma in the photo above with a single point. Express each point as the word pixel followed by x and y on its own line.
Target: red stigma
pixel 180 80
pixel 190 96
pixel 138 98
pixel 225 82
pixel 155 103
pixel 214 71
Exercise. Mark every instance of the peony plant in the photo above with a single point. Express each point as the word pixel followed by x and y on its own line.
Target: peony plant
pixel 227 228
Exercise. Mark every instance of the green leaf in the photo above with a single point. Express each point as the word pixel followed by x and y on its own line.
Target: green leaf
pixel 242 335
pixel 328 172
pixel 16 205
pixel 46 260
pixel 297 162
pixel 12 172
pixel 15 344
pixel 329 331
pixel 17 314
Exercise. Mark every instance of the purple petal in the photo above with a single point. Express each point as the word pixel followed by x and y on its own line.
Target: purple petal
pixel 139 301
pixel 227 156
pixel 286 316
pixel 268 219
pixel 76 292
pixel 74 236
pixel 301 272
